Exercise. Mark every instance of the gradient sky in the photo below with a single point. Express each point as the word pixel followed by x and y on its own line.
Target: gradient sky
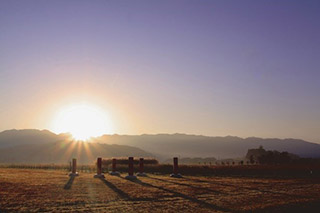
pixel 244 68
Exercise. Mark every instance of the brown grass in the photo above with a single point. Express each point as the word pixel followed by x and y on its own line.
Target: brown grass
pixel 53 190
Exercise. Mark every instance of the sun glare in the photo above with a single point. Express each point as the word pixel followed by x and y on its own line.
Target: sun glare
pixel 82 121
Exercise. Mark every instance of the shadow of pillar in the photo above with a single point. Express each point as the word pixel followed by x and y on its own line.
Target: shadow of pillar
pixel 188 185
pixel 178 194
pixel 69 183
pixel 121 193
pixel 247 188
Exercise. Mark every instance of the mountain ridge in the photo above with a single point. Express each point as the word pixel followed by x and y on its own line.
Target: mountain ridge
pixel 165 146
pixel 64 151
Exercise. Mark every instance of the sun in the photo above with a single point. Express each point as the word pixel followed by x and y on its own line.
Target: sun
pixel 83 121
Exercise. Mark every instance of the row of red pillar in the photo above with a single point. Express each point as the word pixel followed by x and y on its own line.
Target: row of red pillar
pixel 130 167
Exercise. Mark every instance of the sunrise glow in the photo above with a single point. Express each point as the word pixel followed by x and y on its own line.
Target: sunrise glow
pixel 83 121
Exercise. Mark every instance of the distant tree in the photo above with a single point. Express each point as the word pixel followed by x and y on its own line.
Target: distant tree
pixel 251 159
pixel 275 157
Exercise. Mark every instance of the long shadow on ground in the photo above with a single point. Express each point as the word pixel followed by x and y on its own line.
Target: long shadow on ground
pixel 238 187
pixel 121 193
pixel 178 194
pixel 124 195
pixel 187 185
pixel 69 183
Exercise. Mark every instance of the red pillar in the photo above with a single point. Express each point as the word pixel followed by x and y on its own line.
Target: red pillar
pixel 130 171
pixel 74 165
pixel 99 164
pixel 114 164
pixel 141 166
pixel 175 165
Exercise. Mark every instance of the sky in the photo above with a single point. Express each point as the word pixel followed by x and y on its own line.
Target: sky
pixel 216 68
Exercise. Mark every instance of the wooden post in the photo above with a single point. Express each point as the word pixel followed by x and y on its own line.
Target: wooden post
pixel 99 169
pixel 141 166
pixel 175 165
pixel 114 164
pixel 114 167
pixel 175 168
pixel 74 166
pixel 99 164
pixel 130 169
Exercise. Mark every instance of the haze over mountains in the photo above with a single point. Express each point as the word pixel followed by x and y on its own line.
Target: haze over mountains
pixel 169 145
pixel 35 146
pixel 9 138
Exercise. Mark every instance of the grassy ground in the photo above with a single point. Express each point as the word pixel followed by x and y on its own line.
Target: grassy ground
pixel 53 190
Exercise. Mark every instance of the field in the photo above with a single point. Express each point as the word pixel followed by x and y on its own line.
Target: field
pixel 53 190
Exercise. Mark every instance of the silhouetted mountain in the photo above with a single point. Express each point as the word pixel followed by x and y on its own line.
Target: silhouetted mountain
pixel 43 146
pixel 15 137
pixel 163 146
pixel 181 145
pixel 62 152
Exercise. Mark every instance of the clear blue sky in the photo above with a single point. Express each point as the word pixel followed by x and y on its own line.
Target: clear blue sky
pixel 245 68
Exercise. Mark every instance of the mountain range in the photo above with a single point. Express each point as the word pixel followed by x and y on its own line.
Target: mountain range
pixel 35 146
pixel 43 146
pixel 182 145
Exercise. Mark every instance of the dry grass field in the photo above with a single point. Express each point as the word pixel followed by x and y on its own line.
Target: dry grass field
pixel 53 190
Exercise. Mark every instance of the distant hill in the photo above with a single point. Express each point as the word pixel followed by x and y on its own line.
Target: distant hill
pixel 162 146
pixel 62 152
pixel 181 145
pixel 43 146
pixel 10 138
